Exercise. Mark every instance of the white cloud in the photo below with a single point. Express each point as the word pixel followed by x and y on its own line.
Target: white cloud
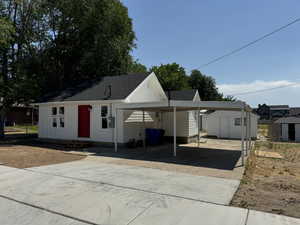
pixel 259 91
pixel 258 85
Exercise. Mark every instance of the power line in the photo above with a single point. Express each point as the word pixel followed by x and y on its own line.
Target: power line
pixel 264 90
pixel 249 44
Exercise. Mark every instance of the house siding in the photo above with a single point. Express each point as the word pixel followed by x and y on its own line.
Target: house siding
pixel 70 130
pixel 193 123
pixel 182 124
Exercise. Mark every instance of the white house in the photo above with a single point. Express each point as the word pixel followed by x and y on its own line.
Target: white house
pixel 227 124
pixel 87 112
pixel 289 129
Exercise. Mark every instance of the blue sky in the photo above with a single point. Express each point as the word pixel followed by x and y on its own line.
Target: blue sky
pixel 193 32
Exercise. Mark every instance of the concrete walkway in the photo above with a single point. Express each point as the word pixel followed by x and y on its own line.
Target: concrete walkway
pixel 202 188
pixel 86 192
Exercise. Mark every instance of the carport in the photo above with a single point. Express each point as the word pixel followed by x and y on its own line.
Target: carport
pixel 175 106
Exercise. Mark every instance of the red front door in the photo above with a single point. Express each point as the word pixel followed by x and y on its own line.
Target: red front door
pixel 84 120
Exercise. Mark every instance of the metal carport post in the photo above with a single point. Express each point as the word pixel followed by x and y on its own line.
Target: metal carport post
pixel 115 130
pixel 242 134
pixel 174 131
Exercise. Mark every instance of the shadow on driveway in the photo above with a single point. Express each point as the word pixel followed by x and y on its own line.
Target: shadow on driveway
pixel 199 157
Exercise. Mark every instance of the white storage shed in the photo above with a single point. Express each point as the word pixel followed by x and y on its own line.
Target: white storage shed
pixel 227 124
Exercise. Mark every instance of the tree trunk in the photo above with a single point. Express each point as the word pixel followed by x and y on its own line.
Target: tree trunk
pixel 2 119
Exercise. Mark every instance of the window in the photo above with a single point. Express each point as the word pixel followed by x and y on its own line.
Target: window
pixel 62 122
pixel 237 122
pixel 61 116
pixel 54 122
pixel 104 117
pixel 62 110
pixel 58 117
pixel 54 111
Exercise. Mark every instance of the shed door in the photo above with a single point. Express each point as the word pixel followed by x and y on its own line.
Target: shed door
pixel 291 131
pixel 84 120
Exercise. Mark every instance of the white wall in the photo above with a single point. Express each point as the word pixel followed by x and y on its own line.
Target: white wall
pixel 193 123
pixel 149 90
pixel 204 122
pixel 221 124
pixel 182 124
pixel 70 130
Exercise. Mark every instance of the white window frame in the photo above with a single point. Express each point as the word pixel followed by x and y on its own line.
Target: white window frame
pixel 61 116
pixel 104 117
pixel 240 121
pixel 58 117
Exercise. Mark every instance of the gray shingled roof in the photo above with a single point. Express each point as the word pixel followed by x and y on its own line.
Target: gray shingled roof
pixel 290 119
pixel 121 87
pixel 183 95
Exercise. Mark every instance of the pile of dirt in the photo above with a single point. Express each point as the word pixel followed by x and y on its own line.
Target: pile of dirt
pixel 272 185
pixel 21 156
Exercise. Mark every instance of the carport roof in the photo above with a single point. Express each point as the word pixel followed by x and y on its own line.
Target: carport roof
pixel 185 106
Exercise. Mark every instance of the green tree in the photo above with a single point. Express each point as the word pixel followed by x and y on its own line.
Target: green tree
pixel 136 67
pixel 206 86
pixel 21 31
pixel 171 76
pixel 90 39
pixel 49 45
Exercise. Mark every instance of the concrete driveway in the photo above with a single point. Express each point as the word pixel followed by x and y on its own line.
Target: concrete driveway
pixel 89 192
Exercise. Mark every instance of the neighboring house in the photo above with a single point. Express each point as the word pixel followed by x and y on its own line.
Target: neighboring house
pixel 288 129
pixel 278 111
pixel 271 112
pixel 20 115
pixel 87 112
pixel 294 111
pixel 187 121
pixel 227 124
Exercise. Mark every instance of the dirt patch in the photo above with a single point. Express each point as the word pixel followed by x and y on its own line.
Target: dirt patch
pixel 272 185
pixel 21 156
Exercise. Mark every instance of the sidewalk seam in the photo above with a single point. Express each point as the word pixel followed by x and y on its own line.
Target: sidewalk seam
pixel 139 214
pixel 247 216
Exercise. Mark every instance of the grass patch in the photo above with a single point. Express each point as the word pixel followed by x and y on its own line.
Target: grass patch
pixel 32 129
pixel 29 127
